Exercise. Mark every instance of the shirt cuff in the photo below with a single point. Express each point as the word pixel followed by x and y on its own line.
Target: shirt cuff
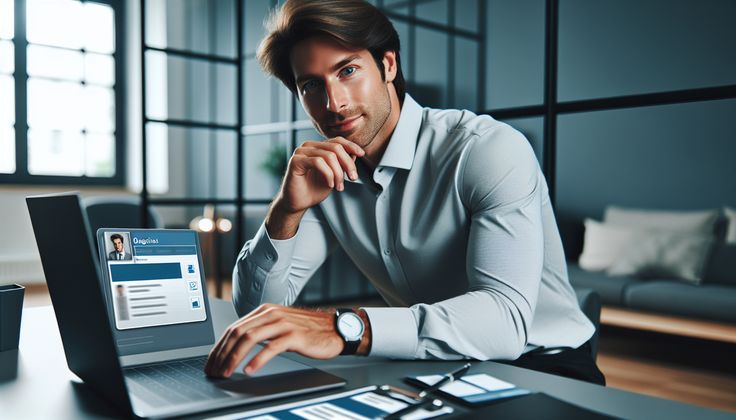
pixel 393 332
pixel 271 254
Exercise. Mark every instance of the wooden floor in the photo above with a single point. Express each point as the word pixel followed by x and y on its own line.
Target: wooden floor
pixel 690 370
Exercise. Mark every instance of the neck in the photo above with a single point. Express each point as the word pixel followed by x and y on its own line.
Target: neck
pixel 374 151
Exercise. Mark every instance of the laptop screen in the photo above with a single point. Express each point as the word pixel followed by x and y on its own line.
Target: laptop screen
pixel 155 289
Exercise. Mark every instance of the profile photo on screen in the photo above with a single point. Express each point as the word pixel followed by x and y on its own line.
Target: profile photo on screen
pixel 118 246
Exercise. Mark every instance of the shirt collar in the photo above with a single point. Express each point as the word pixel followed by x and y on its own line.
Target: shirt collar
pixel 400 150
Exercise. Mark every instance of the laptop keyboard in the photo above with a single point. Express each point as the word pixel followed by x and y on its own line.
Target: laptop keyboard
pixel 174 382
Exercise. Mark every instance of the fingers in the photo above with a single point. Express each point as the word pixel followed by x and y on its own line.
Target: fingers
pixel 338 153
pixel 232 334
pixel 310 333
pixel 350 147
pixel 271 350
pixel 335 163
pixel 246 343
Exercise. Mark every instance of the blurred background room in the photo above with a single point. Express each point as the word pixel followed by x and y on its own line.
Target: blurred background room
pixel 158 113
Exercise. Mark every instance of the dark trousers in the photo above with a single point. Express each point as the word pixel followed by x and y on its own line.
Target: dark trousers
pixel 572 363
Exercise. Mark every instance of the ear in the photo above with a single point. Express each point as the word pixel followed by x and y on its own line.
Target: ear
pixel 389 66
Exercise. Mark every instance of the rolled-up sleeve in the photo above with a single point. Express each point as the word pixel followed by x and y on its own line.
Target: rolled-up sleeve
pixel 275 271
pixel 501 186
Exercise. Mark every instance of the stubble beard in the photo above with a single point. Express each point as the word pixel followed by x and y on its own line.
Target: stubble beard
pixel 375 121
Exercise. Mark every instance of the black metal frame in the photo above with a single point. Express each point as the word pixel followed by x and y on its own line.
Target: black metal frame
pixel 20 74
pixel 551 108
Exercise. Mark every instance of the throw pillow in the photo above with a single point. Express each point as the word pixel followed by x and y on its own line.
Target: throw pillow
pixel 731 230
pixel 664 254
pixel 700 222
pixel 602 244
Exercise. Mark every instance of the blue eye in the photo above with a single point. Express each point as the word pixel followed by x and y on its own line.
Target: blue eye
pixel 347 71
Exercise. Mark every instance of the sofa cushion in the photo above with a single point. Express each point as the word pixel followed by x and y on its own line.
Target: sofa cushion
pixel 713 302
pixel 610 288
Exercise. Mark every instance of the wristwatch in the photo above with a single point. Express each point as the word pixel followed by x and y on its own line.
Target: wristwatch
pixel 350 326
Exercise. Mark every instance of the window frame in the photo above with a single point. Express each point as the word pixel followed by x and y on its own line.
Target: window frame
pixel 20 76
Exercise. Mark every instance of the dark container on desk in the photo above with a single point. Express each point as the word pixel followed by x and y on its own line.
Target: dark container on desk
pixel 11 307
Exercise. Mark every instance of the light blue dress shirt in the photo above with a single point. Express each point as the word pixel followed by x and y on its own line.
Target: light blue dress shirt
pixel 454 229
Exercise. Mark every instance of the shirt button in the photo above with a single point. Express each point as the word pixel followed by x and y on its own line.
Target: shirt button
pixel 387 251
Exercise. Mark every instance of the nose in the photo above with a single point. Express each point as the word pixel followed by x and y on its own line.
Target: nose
pixel 336 97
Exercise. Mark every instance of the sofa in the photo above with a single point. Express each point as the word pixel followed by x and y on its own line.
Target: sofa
pixel 710 297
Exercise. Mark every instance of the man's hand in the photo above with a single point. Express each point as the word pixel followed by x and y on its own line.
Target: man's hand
pixel 309 333
pixel 315 169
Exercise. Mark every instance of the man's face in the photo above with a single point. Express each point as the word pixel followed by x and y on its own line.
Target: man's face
pixel 118 244
pixel 341 89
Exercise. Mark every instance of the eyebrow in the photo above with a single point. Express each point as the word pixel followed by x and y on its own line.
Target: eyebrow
pixel 341 63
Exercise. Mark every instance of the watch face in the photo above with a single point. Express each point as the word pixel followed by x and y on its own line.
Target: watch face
pixel 350 326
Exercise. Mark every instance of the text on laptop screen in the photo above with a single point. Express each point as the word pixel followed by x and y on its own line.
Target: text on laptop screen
pixel 154 278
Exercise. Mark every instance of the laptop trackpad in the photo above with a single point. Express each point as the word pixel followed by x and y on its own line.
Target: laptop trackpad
pixel 278 375
pixel 277 383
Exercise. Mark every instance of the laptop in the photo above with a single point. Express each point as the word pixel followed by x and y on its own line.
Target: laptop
pixel 137 327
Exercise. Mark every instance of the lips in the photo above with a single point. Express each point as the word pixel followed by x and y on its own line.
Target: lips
pixel 345 125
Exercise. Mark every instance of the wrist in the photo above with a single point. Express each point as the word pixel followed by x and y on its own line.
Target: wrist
pixel 364 348
pixel 282 223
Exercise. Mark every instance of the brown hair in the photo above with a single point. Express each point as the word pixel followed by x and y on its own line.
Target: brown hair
pixel 355 24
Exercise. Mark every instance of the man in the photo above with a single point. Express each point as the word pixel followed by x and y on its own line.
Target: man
pixel 119 252
pixel 445 212
pixel 122 302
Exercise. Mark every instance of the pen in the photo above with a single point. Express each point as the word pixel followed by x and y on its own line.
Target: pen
pixel 434 403
pixel 449 377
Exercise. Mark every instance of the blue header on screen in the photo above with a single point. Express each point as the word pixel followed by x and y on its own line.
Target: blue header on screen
pixel 147 238
pixel 135 272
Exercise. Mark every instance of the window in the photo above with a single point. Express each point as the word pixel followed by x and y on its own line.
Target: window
pixel 60 95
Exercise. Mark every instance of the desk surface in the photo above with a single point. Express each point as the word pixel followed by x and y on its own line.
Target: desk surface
pixel 35 382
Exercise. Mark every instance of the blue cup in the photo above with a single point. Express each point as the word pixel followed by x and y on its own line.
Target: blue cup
pixel 11 307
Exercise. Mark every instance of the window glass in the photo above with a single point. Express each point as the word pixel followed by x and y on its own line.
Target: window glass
pixel 433 11
pixel 55 105
pixel 99 109
pixel 197 90
pixel 266 156
pixel 98 34
pixel 466 15
pixel 7 61
pixel 7 145
pixel 396 6
pixel 256 11
pixel 55 63
pixel 100 154
pixel 99 69
pixel 514 53
pixel 192 25
pixel 7 21
pixel 266 99
pixel 430 85
pixel 606 50
pixel 55 22
pixel 55 152
pixel 466 74
pixel 7 101
pixel 190 162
